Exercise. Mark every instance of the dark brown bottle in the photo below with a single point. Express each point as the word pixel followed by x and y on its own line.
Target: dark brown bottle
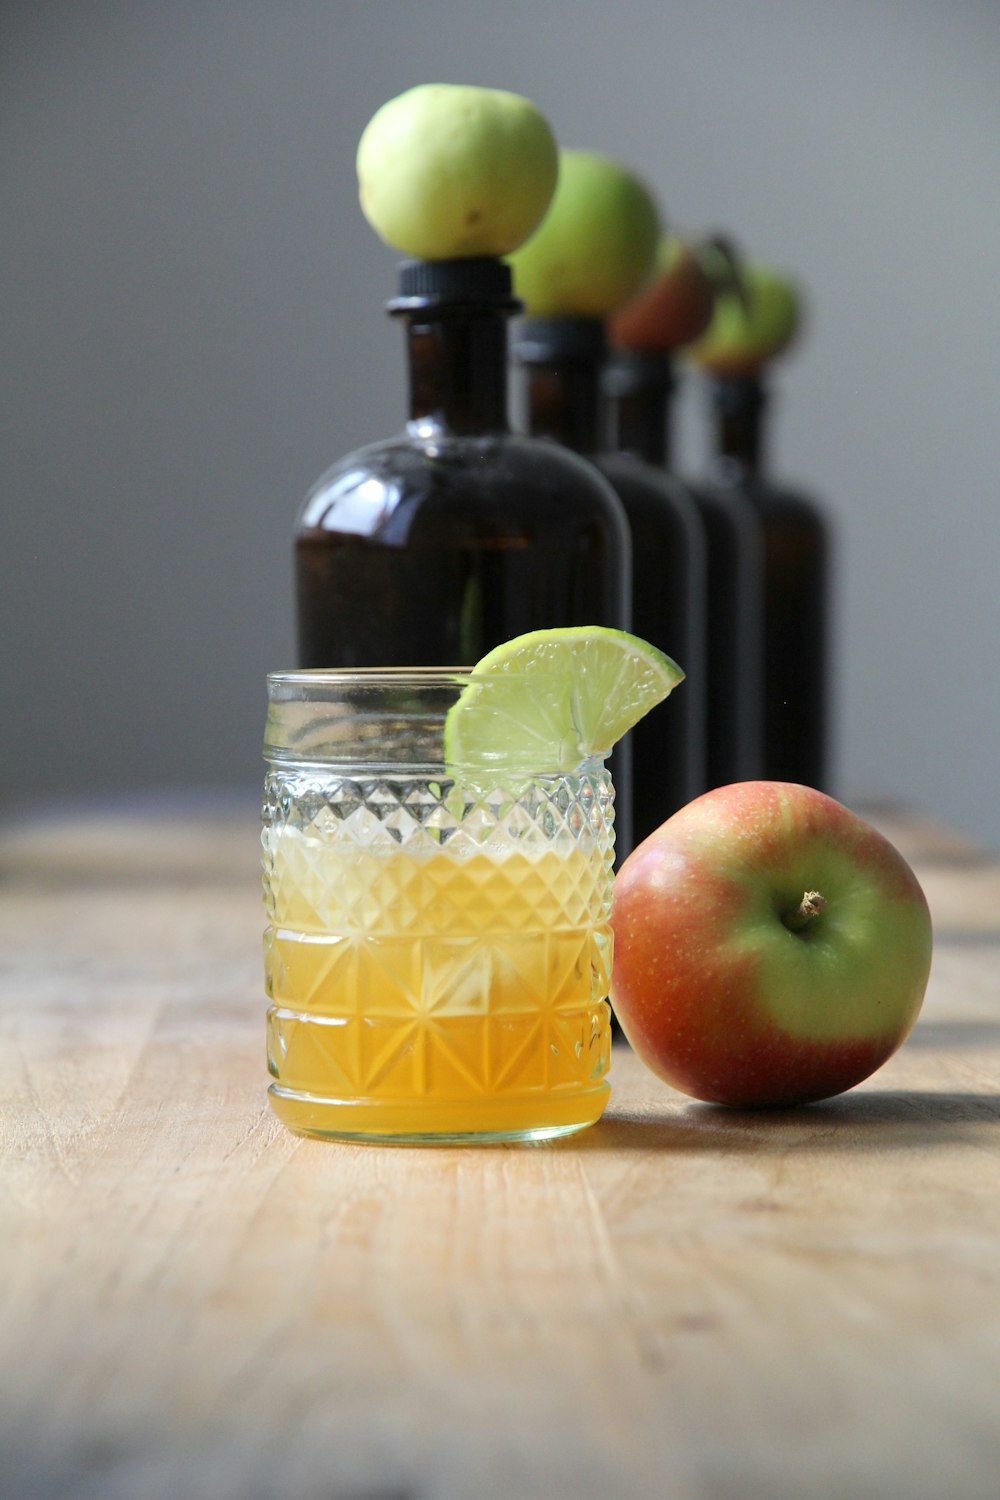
pixel 797 576
pixel 639 388
pixel 434 546
pixel 563 358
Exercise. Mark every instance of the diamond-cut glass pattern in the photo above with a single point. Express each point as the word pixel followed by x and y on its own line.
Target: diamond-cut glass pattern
pixel 433 947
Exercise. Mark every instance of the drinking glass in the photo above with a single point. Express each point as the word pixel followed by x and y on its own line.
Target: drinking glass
pixel 438 947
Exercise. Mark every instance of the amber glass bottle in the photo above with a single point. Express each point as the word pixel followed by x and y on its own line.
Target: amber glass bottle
pixel 797 577
pixel 563 358
pixel 432 547
pixel 639 387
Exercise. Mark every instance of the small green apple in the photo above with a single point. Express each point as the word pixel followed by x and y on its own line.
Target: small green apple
pixel 449 171
pixel 595 246
pixel 747 332
pixel 673 307
pixel 771 947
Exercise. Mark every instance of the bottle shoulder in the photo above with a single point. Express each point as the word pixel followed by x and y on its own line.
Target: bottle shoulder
pixel 647 491
pixel 725 510
pixel 364 492
pixel 772 498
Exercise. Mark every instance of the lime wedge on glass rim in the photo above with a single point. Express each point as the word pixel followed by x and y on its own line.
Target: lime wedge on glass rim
pixel 546 701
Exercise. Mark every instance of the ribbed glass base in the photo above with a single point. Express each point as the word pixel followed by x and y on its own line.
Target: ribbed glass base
pixel 471 1122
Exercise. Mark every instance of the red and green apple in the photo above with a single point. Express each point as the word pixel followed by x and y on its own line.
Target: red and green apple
pixel 673 307
pixel 771 947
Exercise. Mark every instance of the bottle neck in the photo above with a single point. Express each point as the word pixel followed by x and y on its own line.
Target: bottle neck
pixel 640 390
pixel 564 401
pixel 457 361
pixel 739 404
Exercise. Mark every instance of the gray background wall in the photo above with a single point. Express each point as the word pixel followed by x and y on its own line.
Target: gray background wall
pixel 193 331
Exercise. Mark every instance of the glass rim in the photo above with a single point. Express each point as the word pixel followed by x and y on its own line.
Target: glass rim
pixel 367 676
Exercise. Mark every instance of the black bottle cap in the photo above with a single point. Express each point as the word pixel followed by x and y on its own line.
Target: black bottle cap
pixel 538 341
pixel 480 281
pixel 630 372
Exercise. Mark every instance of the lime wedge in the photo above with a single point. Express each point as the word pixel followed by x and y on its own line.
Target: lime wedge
pixel 550 699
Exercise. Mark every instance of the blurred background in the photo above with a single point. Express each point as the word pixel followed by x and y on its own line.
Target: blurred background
pixel 193 331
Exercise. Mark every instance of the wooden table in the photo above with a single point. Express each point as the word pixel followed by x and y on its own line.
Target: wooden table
pixel 683 1302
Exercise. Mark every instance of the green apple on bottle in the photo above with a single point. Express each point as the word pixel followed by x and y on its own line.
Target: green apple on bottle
pixel 449 171
pixel 771 947
pixel 596 245
pixel 748 330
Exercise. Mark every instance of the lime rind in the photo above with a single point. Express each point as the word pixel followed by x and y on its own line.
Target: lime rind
pixel 552 699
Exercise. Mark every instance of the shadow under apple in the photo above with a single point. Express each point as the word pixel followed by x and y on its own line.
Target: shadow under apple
pixel 857 1121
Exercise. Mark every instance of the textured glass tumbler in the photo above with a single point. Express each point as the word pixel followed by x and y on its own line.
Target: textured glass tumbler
pixel 438 952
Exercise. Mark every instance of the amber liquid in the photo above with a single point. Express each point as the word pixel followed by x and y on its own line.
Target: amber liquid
pixel 419 995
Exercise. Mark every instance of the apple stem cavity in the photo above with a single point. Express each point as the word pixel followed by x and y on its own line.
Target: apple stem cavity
pixel 809 908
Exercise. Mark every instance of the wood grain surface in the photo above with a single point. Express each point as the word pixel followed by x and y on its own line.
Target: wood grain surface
pixel 683 1302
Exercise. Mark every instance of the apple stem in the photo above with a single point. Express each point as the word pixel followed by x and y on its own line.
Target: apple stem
pixel 808 909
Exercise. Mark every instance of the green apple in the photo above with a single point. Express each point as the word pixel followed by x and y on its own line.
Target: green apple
pixel 771 947
pixel 596 245
pixel 673 307
pixel 746 332
pixel 448 171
